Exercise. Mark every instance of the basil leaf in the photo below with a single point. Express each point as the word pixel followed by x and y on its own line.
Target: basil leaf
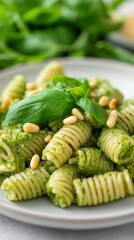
pixel 35 16
pixel 85 86
pixel 93 108
pixel 65 83
pixel 49 40
pixel 46 106
pixel 77 92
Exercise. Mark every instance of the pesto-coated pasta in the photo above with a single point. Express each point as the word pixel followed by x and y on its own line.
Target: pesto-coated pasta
pixel 103 188
pixel 2 178
pixel 26 185
pixel 2 115
pixel 125 119
pixel 92 161
pixel 46 74
pixel 16 88
pixel 49 166
pixel 18 148
pixel 129 166
pixel 116 145
pixel 56 125
pixel 104 88
pixel 93 140
pixel 60 187
pixel 9 162
pixel 92 121
pixel 68 139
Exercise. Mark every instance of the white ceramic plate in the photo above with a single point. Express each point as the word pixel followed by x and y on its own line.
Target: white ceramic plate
pixel 41 211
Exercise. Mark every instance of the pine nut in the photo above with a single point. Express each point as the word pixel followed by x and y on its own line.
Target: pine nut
pixel 77 114
pixel 113 114
pixel 69 120
pixel 92 84
pixel 6 102
pixel 111 122
pixel 31 128
pixel 31 86
pixel 104 101
pixel 112 118
pixel 48 138
pixel 113 103
pixel 35 161
pixel 92 95
pixel 34 92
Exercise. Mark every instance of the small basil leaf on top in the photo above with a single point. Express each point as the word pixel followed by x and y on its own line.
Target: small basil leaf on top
pixel 93 108
pixel 43 107
pixel 65 82
pixel 77 93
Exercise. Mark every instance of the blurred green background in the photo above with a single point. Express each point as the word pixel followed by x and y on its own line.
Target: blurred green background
pixel 34 30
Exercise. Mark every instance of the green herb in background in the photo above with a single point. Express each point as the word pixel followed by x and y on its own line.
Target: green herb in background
pixel 39 29
pixel 107 50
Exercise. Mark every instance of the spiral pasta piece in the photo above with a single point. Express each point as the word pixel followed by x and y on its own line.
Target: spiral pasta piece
pixel 16 88
pixel 17 149
pixel 30 144
pixel 26 185
pixel 46 74
pixel 125 118
pixel 116 145
pixel 68 139
pixel 60 186
pixel 103 188
pixel 92 161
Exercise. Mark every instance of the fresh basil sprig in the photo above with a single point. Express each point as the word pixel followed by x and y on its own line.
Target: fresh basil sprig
pixel 78 87
pixel 55 103
pixel 93 108
pixel 45 106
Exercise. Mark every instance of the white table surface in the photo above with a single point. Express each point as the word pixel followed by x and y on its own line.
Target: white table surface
pixel 13 230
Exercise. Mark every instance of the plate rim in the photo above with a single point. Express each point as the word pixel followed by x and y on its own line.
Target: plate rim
pixel 66 223
pixel 111 220
pixel 92 60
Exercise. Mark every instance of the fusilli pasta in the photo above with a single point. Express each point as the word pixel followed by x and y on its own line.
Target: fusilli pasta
pixel 16 88
pixel 26 185
pixel 17 149
pixel 92 161
pixel 65 141
pixel 60 186
pixel 125 118
pixel 103 188
pixel 117 145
